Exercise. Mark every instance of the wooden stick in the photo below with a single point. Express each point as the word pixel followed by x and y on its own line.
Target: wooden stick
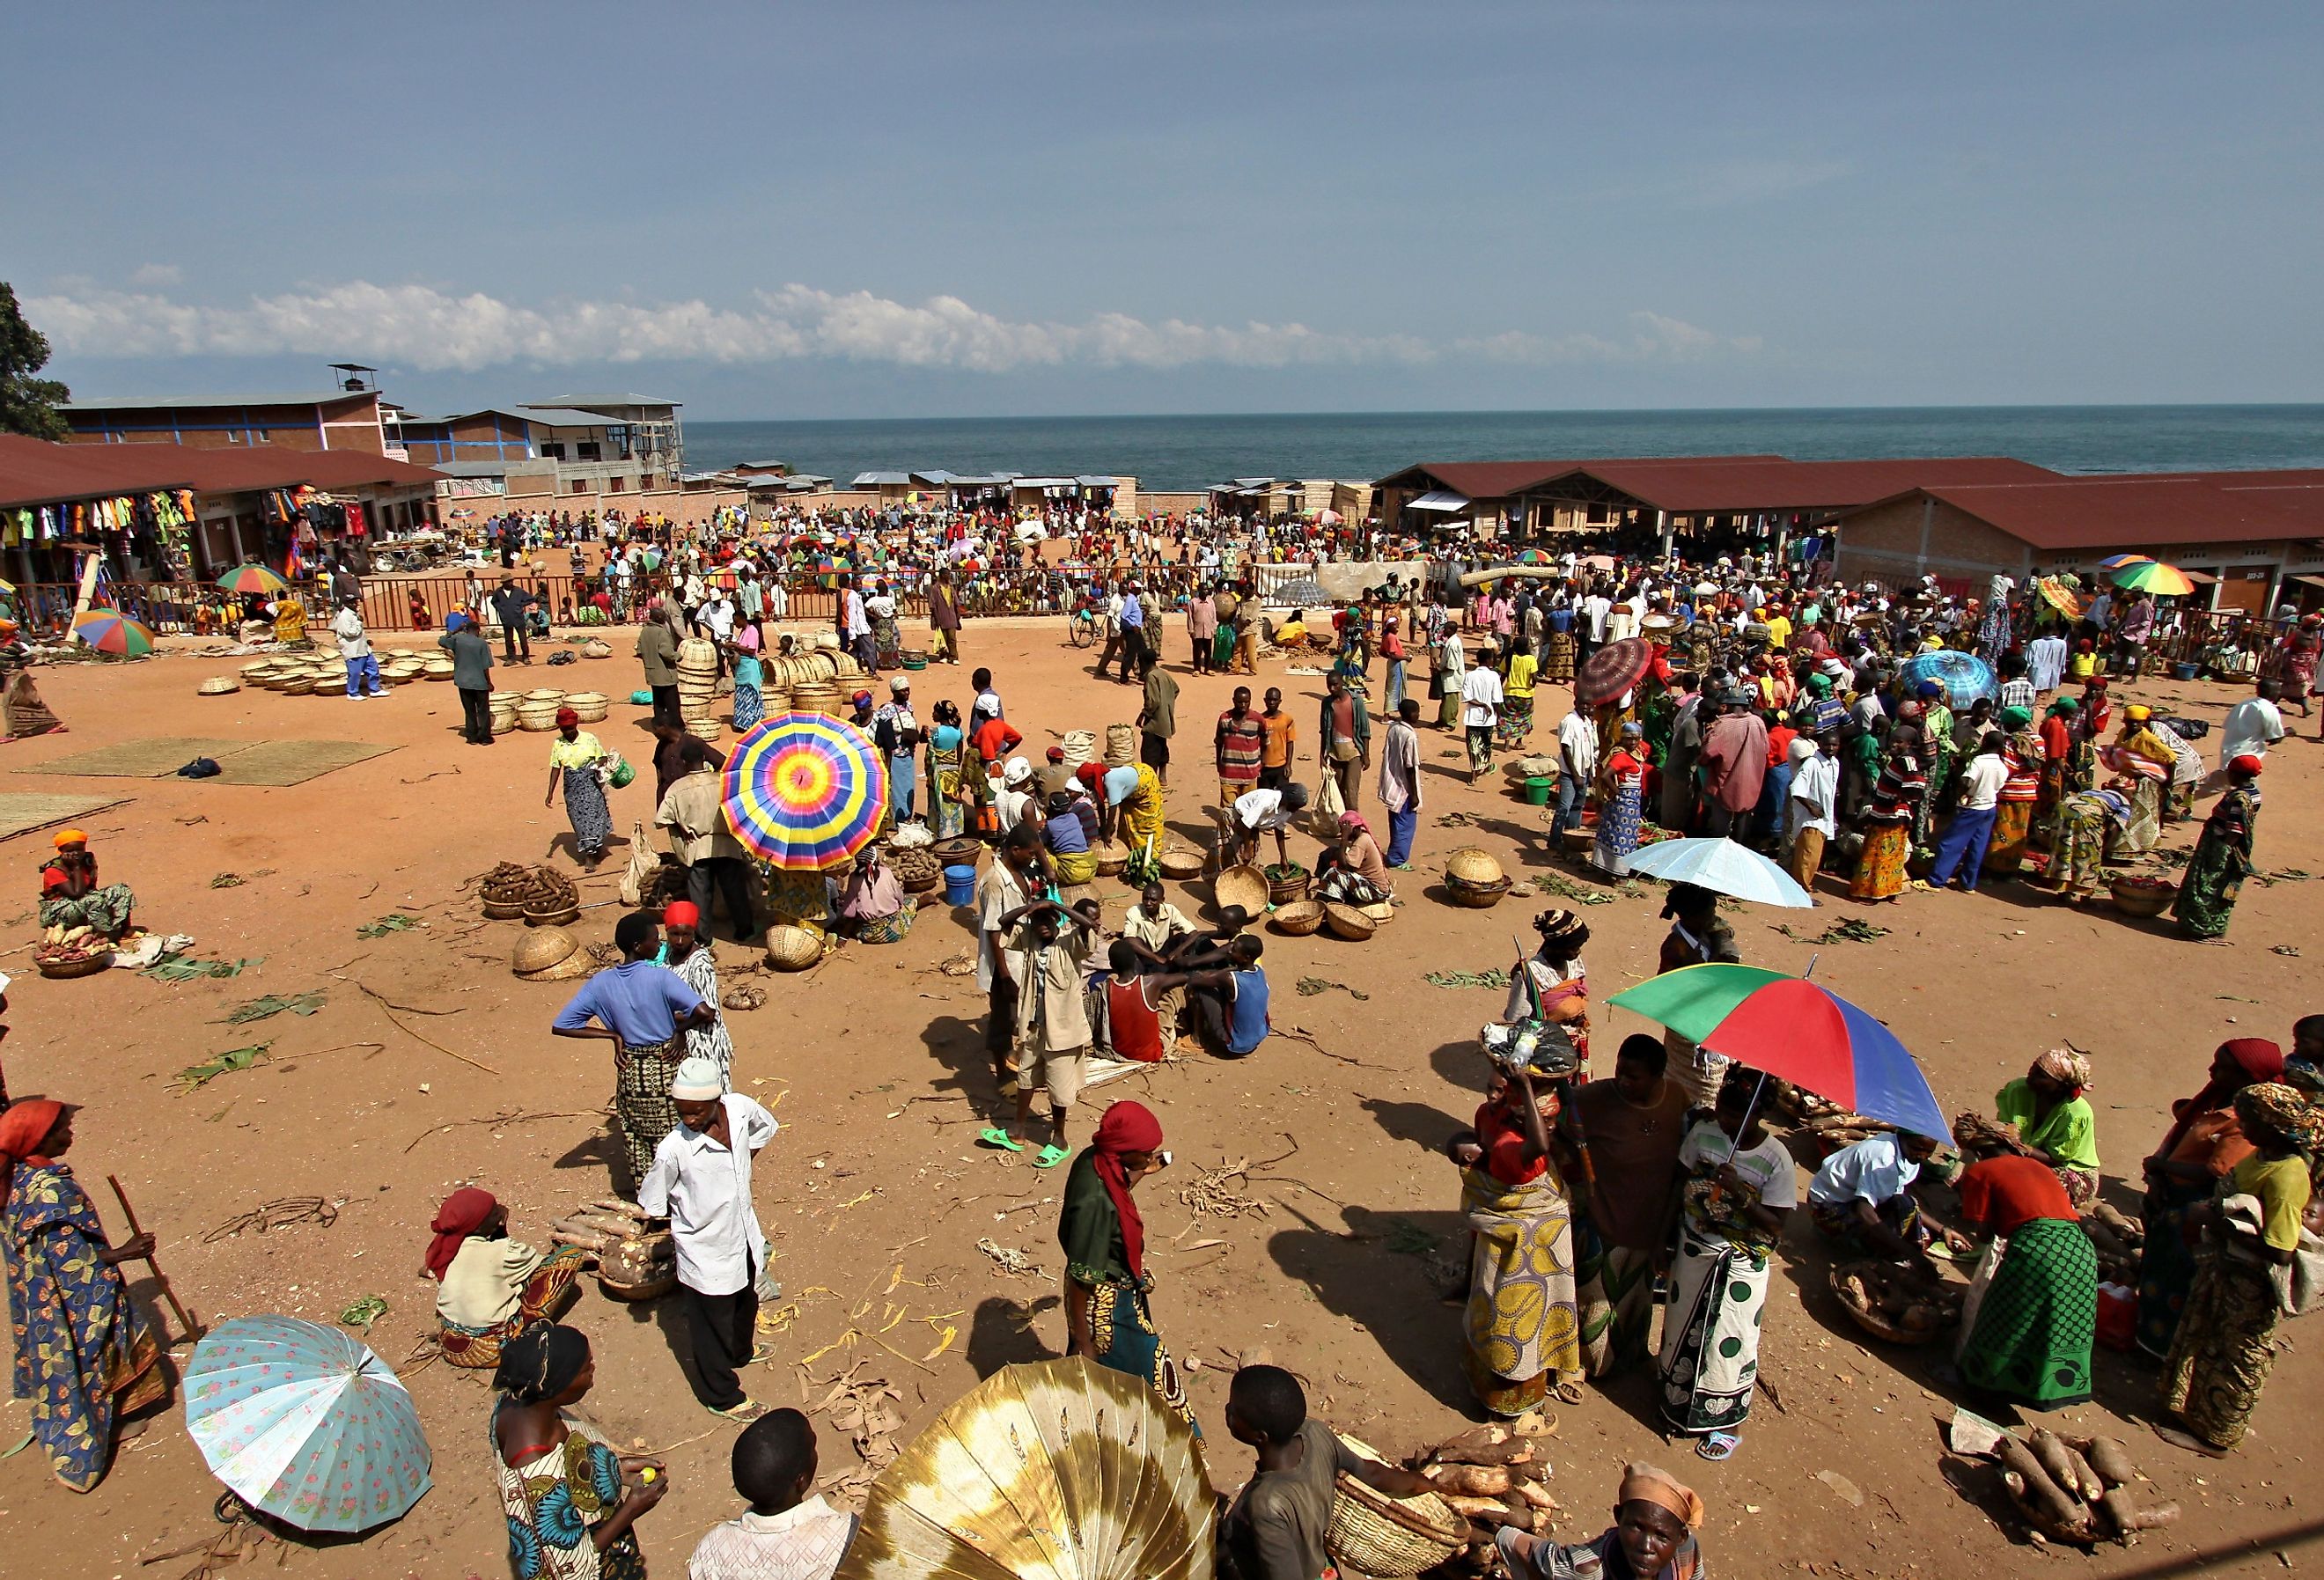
pixel 387 1009
pixel 194 1330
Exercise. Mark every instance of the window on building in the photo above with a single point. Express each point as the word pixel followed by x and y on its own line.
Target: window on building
pixel 585 450
pixel 578 486
pixel 1596 515
pixel 552 450
pixel 616 484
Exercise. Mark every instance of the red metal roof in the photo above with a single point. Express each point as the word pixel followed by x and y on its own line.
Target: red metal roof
pixel 35 472
pixel 2134 511
pixel 1733 486
pixel 1500 479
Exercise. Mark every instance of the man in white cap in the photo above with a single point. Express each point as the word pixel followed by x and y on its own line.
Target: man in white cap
pixel 701 1182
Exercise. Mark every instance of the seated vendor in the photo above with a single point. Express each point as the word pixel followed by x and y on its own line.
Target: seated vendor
pixel 494 1288
pixel 1353 871
pixel 1862 1197
pixel 870 905
pixel 1656 1517
pixel 71 897
pixel 1292 631
pixel 2053 1122
pixel 1069 835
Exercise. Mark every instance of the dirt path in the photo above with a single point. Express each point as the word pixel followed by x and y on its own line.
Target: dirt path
pixel 876 1197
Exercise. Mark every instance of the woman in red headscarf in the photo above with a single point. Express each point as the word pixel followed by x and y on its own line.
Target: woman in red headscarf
pixel 2222 858
pixel 578 762
pixel 84 1355
pixel 1108 1314
pixel 2202 1147
pixel 494 1288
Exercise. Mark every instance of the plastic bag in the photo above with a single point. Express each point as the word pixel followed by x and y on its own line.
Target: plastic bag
pixel 643 864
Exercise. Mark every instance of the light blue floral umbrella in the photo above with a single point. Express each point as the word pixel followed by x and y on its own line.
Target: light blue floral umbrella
pixel 1723 867
pixel 304 1423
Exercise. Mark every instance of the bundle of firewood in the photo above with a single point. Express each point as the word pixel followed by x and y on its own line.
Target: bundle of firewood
pixel 1492 1476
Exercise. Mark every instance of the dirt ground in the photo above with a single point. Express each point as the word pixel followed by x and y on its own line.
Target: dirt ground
pixel 876 1197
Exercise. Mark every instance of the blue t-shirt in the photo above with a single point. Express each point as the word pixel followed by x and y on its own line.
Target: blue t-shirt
pixel 1066 835
pixel 639 1002
pixel 1247 1023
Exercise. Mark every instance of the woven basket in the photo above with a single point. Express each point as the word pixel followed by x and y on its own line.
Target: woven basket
pixel 1375 1534
pixel 707 729
pixel 956 852
pixel 652 1290
pixel 1475 896
pixel 2138 895
pixel 1283 890
pixel 504 909
pixel 577 964
pixel 793 949
pixel 1878 1325
pixel 1298 918
pixel 541 948
pixel 1473 867
pixel 1580 840
pixel 1112 856
pixel 257 668
pixel 89 966
pixel 1180 862
pixel 548 694
pixel 1245 886
pixel 537 718
pixel 217 686
pixel 1347 922
pixel 557 913
pixel 580 701
pixel 437 669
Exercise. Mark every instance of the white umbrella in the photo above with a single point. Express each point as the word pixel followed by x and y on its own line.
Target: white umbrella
pixel 1723 867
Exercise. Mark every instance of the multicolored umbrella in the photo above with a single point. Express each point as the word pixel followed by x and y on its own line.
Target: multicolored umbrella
pixel 1611 670
pixel 1723 867
pixel 304 1423
pixel 2151 576
pixel 109 631
pixel 2116 561
pixel 805 792
pixel 252 578
pixel 2060 597
pixel 1966 676
pixel 1794 1029
pixel 1533 557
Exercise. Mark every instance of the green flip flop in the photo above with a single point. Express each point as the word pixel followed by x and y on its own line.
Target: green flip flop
pixel 1050 1157
pixel 993 1135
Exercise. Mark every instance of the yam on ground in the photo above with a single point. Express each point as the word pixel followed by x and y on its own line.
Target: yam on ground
pixel 2110 1459
pixel 1483 1436
pixel 2031 1483
pixel 2062 1463
pixel 2154 1519
pixel 2086 1480
pixel 1515 1451
pixel 1475 1480
pixel 1535 1493
pixel 1476 1507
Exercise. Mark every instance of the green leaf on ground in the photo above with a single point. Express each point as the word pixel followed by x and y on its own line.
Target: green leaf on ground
pixel 195 1076
pixel 304 1003
pixel 394 921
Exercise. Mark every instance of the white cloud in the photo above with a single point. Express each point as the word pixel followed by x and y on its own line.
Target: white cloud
pixel 424 328
pixel 157 274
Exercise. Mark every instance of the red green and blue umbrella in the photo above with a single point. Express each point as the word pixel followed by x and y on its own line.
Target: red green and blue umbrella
pixel 2155 577
pixel 252 578
pixel 305 1424
pixel 1533 557
pixel 109 631
pixel 805 792
pixel 2116 561
pixel 1792 1029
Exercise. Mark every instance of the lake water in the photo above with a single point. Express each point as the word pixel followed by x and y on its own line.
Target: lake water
pixel 1168 453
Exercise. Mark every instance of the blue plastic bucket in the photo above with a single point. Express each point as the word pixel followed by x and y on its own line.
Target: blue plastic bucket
pixel 959 885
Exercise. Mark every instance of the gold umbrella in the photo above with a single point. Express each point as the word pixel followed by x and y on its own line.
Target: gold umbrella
pixel 1060 1470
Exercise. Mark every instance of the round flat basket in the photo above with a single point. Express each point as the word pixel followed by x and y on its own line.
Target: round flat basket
pixel 437 669
pixel 1298 918
pixel 577 964
pixel 583 701
pixel 2138 895
pixel 652 1290
pixel 217 686
pixel 504 909
pixel 87 965
pixel 1347 922
pixel 1112 856
pixel 1375 1534
pixel 1244 885
pixel 1472 866
pixel 792 948
pixel 542 947
pixel 1475 896
pixel 1180 862
pixel 548 694
pixel 257 668
pixel 1877 1324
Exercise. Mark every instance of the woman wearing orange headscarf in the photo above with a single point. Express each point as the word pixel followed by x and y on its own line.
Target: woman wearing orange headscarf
pixel 84 1356
pixel 1656 1517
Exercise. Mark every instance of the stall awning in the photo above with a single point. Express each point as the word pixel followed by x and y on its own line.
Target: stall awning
pixel 1442 499
pixel 2310 581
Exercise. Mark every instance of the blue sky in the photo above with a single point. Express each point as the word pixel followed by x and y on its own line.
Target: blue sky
pixel 988 208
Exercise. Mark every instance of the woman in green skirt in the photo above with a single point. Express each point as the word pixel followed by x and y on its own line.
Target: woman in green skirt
pixel 2222 858
pixel 2033 1312
pixel 1109 1317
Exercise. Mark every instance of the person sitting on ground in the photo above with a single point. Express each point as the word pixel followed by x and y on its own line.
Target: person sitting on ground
pixel 494 1288
pixel 1862 1197
pixel 1069 837
pixel 1275 1530
pixel 1138 1002
pixel 1353 871
pixel 1656 1517
pixel 1234 1013
pixel 1053 1025
pixel 71 897
pixel 784 1532
pixel 2052 1121
pixel 871 906
pixel 1155 929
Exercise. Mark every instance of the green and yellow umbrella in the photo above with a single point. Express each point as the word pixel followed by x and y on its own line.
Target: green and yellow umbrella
pixel 252 578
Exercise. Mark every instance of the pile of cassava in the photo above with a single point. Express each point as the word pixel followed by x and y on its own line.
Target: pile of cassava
pixel 2080 1489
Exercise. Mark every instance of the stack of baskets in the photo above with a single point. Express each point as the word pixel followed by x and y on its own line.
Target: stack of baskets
pixel 502 706
pixel 590 706
pixel 402 668
pixel 697 686
pixel 549 954
pixel 817 697
pixel 436 670
pixel 1474 879
pixel 536 710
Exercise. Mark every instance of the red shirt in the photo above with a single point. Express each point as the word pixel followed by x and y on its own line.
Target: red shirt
pixel 1503 1137
pixel 994 740
pixel 2003 1193
pixel 1136 1028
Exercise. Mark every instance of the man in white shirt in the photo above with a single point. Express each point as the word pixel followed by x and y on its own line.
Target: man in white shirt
pixel 1594 610
pixel 1864 1192
pixel 700 1181
pixel 1577 763
pixel 1480 710
pixel 2252 725
pixel 785 1534
pixel 1811 810
pixel 354 647
pixel 1264 811
pixel 1961 852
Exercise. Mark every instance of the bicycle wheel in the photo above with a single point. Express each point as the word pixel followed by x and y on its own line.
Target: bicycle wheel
pixel 1083 632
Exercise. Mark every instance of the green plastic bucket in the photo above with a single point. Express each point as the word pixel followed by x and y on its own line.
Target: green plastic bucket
pixel 1538 788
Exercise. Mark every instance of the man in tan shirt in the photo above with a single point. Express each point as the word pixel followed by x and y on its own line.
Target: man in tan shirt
pixel 694 813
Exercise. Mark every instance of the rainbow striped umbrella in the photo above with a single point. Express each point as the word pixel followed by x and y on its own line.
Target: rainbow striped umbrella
pixel 2116 561
pixel 805 792
pixel 252 578
pixel 2155 577
pixel 109 631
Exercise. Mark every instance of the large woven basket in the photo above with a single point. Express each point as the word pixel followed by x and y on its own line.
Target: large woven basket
pixel 1876 1324
pixel 1298 918
pixel 577 964
pixel 542 947
pixel 1347 922
pixel 1475 896
pixel 437 669
pixel 1375 1534
pixel 1181 863
pixel 217 686
pixel 1472 866
pixel 1245 886
pixel 1112 856
pixel 1283 890
pixel 557 913
pixel 793 949
pixel 88 965
pixel 2139 895
pixel 652 1290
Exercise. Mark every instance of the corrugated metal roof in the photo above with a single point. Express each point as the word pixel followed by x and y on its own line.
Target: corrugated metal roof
pixel 936 478
pixel 1500 479
pixel 1700 487
pixel 1095 482
pixel 1041 483
pixel 34 471
pixel 169 403
pixel 882 480
pixel 2130 511
pixel 603 400
pixel 473 468
pixel 554 415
